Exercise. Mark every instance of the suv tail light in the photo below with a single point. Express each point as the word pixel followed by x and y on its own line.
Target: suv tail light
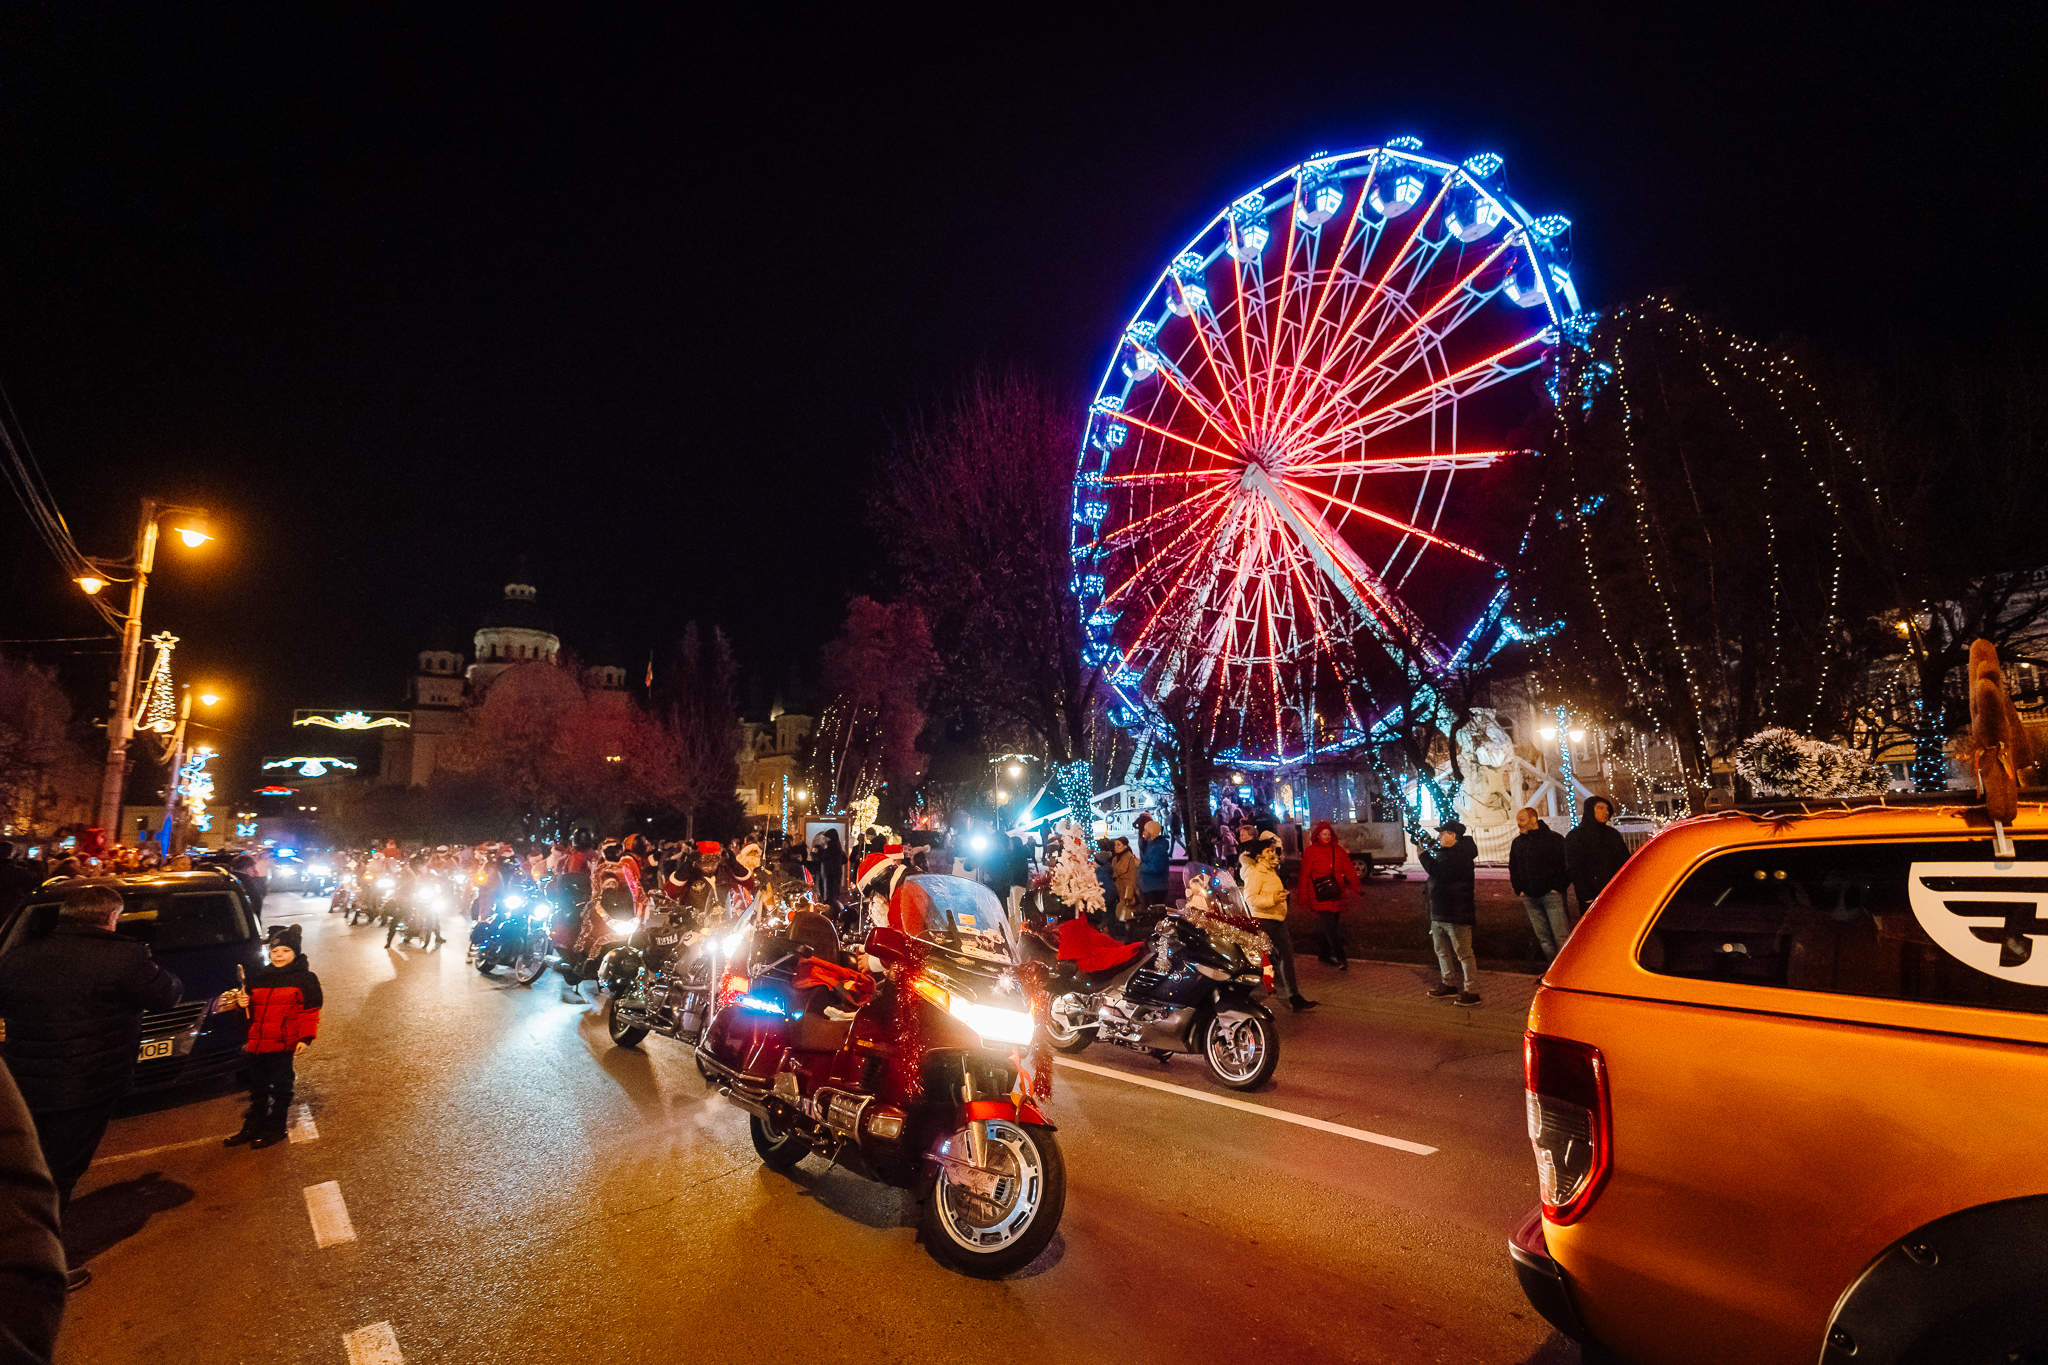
pixel 1568 1123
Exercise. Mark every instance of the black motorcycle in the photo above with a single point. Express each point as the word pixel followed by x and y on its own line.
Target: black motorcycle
pixel 664 978
pixel 1183 994
pixel 516 937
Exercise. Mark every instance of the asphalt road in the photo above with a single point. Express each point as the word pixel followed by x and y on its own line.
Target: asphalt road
pixel 485 1178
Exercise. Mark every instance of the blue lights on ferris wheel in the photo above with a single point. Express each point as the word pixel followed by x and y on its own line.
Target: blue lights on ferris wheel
pixel 1404 144
pixel 1550 225
pixel 1482 166
pixel 1471 214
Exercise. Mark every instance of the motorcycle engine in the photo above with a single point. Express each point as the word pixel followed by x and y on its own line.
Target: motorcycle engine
pixel 1121 1017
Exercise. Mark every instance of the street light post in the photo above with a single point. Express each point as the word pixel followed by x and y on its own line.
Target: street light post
pixel 121 724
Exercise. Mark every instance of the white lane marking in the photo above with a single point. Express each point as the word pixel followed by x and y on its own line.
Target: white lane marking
pixel 303 1129
pixel 376 1344
pixel 329 1214
pixel 152 1151
pixel 1320 1125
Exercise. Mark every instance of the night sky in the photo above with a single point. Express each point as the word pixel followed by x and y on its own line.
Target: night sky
pixel 402 299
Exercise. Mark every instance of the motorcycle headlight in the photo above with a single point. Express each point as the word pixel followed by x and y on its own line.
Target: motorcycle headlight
pixel 318 870
pixel 994 1023
pixel 624 926
pixel 514 901
pixel 1213 973
pixel 735 942
pixel 385 883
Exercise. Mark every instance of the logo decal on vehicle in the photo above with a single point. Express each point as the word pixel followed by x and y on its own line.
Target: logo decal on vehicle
pixel 1986 916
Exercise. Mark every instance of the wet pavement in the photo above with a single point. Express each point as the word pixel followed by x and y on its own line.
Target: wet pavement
pixel 477 1174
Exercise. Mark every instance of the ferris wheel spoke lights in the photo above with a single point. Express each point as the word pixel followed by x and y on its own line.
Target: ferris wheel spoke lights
pixel 1303 397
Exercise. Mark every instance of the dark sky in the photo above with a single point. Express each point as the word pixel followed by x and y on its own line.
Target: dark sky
pixel 404 298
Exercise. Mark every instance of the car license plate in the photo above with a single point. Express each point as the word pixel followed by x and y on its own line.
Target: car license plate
pixel 152 1048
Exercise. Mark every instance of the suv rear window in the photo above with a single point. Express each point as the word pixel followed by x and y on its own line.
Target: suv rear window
pixel 1938 922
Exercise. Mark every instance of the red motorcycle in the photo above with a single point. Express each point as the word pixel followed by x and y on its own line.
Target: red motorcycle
pixel 924 1081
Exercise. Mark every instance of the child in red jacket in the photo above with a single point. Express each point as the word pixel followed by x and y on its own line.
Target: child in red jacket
pixel 283 1001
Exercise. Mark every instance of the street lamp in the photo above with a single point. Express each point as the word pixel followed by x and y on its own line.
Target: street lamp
pixel 207 698
pixel 191 525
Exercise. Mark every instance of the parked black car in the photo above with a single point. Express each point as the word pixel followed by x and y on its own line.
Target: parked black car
pixel 198 925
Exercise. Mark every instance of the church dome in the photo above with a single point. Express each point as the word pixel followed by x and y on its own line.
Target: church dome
pixel 518 611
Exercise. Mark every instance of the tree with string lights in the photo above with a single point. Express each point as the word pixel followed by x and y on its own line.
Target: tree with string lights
pixel 1690 537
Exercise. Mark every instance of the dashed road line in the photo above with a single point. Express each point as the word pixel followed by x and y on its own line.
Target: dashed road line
pixel 376 1344
pixel 303 1129
pixel 1320 1125
pixel 330 1216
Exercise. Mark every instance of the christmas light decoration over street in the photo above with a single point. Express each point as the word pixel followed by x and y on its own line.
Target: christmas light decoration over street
pixel 1268 465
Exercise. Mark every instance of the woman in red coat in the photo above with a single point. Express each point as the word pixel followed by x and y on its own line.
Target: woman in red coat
pixel 1326 875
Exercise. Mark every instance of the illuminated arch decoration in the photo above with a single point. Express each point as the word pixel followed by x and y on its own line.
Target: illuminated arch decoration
pixel 310 767
pixel 1265 483
pixel 355 720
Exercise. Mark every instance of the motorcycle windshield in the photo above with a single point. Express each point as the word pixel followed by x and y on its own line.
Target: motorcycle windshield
pixel 1213 888
pixel 957 915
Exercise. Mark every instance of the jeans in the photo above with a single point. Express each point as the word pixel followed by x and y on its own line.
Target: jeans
pixel 1547 918
pixel 1453 944
pixel 1330 928
pixel 1284 981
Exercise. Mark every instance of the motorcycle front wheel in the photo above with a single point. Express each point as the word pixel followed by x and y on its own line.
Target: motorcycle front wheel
pixel 778 1150
pixel 530 963
pixel 1242 1053
pixel 1003 1230
pixel 624 1032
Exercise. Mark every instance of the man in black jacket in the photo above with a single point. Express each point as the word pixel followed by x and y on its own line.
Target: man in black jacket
pixel 1539 873
pixel 72 1003
pixel 1594 850
pixel 1452 910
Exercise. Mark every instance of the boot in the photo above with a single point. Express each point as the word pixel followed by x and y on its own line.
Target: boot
pixel 272 1134
pixel 252 1122
pixel 1298 1004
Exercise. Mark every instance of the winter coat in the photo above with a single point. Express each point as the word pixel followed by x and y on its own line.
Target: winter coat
pixel 1320 861
pixel 1264 892
pixel 1106 879
pixel 1537 862
pixel 1450 880
pixel 1594 852
pixel 1123 870
pixel 72 1002
pixel 284 1007
pixel 31 1257
pixel 1154 856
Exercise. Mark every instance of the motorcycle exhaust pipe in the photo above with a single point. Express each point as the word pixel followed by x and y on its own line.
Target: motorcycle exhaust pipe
pixel 742 1100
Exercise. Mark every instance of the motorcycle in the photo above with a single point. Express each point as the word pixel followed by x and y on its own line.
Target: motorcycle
pixel 417 914
pixel 585 935
pixel 664 978
pixel 376 899
pixel 1182 994
pixel 924 1083
pixel 516 937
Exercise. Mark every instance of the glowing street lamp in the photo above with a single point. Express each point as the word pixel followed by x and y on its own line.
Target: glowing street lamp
pixel 191 526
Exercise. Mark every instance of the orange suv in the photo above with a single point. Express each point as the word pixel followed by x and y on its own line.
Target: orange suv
pixel 1787 1087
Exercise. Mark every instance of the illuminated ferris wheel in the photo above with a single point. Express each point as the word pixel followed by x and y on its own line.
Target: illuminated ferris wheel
pixel 1266 483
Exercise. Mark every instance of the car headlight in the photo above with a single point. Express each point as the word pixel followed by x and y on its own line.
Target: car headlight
pixel 994 1023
